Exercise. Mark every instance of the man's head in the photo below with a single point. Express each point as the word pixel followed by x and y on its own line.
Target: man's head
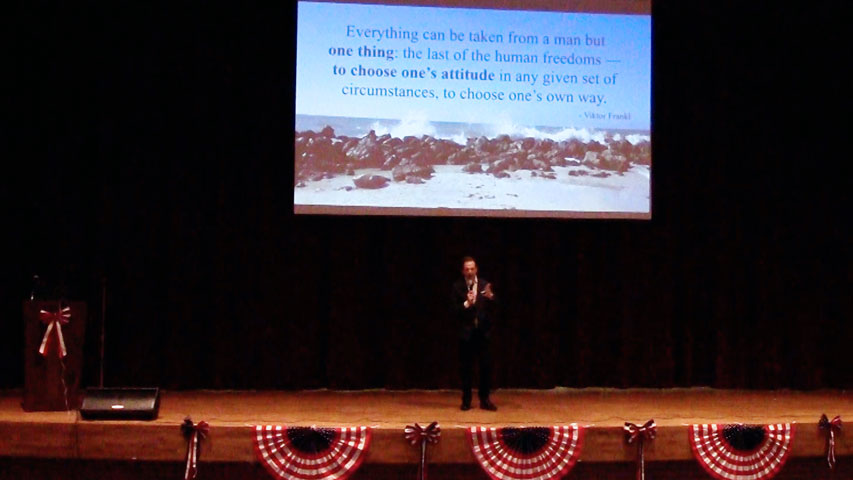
pixel 469 269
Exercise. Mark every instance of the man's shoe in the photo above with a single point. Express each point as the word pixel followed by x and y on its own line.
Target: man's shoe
pixel 465 406
pixel 487 405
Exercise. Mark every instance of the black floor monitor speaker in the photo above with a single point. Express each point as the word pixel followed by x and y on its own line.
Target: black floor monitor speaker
pixel 121 404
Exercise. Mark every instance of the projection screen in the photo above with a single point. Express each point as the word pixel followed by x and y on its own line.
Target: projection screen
pixel 437 109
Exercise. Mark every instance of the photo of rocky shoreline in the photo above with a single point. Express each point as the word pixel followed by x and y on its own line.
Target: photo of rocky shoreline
pixel 492 173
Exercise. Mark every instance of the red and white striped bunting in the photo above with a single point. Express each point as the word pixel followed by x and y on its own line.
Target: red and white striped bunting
pixel 502 462
pixel 286 461
pixel 54 322
pixel 723 461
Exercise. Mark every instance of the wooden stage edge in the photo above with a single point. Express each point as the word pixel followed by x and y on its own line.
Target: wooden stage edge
pixel 232 416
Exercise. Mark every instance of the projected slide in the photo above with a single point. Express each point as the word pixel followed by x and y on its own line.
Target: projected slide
pixel 419 110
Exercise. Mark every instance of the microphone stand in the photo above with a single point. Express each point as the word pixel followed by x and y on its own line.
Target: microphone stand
pixel 121 403
pixel 103 330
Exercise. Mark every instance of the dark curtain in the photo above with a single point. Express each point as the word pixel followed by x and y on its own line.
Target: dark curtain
pixel 156 149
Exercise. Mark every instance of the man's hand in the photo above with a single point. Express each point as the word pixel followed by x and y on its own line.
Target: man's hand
pixel 472 297
pixel 487 292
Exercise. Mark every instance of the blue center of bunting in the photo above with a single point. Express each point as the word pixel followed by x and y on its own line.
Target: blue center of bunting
pixel 311 440
pixel 744 437
pixel 526 440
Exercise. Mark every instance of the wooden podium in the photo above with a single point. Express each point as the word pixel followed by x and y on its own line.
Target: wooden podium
pixel 45 367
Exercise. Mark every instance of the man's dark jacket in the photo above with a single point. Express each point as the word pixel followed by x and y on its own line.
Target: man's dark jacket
pixel 483 309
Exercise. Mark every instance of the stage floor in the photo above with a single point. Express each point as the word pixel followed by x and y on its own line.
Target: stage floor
pixel 233 414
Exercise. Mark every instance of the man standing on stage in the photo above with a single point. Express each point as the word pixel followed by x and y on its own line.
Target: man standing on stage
pixel 473 304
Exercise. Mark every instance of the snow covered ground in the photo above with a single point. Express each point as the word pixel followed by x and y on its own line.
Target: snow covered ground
pixel 452 188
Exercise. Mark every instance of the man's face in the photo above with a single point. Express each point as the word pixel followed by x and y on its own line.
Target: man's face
pixel 469 270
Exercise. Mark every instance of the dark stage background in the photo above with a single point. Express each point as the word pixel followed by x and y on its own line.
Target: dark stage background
pixel 151 145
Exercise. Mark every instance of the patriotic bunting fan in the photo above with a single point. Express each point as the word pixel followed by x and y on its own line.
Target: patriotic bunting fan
pixel 534 453
pixel 741 452
pixel 309 453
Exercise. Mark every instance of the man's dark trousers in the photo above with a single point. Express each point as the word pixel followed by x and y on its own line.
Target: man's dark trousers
pixel 475 348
